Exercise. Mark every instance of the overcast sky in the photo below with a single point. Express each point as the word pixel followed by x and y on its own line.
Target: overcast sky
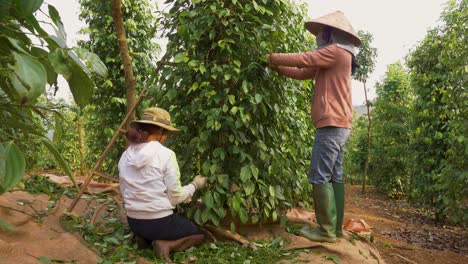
pixel 397 27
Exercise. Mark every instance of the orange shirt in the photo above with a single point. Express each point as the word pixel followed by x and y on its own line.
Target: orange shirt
pixel 330 67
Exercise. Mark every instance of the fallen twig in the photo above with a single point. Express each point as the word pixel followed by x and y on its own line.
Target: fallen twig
pixel 98 211
pixel 230 235
pixel 122 213
pixel 405 259
pixel 210 235
pixel 19 211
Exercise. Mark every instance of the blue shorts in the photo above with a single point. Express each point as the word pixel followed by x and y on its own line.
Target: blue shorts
pixel 327 155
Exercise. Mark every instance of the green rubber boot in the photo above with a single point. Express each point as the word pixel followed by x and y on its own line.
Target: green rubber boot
pixel 338 189
pixel 325 211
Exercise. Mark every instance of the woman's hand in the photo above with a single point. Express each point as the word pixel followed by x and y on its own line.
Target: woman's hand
pixel 268 61
pixel 200 181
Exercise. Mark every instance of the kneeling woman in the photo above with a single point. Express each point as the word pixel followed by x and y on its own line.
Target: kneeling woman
pixel 151 188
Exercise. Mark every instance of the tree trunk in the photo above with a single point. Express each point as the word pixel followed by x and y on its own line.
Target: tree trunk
pixel 369 124
pixel 130 83
pixel 82 146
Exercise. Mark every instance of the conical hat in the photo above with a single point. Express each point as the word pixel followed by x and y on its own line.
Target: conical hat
pixel 336 20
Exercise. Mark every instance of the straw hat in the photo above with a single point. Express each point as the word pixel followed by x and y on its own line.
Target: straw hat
pixel 158 117
pixel 336 20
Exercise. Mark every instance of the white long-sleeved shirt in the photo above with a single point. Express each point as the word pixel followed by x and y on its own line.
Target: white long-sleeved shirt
pixel 150 181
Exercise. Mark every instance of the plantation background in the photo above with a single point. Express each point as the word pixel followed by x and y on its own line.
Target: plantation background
pixel 243 126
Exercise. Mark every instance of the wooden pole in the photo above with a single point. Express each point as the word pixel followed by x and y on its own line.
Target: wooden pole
pixel 130 82
pixel 369 124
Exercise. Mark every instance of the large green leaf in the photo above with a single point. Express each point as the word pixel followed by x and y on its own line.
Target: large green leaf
pixel 76 74
pixel 12 166
pixel 81 85
pixel 28 77
pixel 208 200
pixel 54 15
pixel 78 61
pixel 58 157
pixel 18 45
pixel 42 55
pixel 27 7
pixel 58 60
pixel 92 61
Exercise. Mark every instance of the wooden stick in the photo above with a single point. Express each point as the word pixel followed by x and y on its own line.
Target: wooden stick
pixel 114 139
pixel 98 211
pixel 106 176
pixel 229 235
pixel 403 258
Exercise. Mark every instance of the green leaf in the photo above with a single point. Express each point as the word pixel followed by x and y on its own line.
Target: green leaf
pixel 274 216
pixel 112 240
pixel 81 85
pixel 208 199
pixel 236 203
pixel 197 217
pixel 333 258
pixel 27 7
pixel 12 166
pixel 58 157
pixel 28 77
pixel 6 227
pixel 43 57
pixel 44 260
pixel 54 14
pixel 245 86
pixel 205 215
pixel 258 98
pixel 276 241
pixel 92 61
pixel 19 46
pixel 58 41
pixel 77 61
pixel 249 187
pixel 243 216
pixel 272 191
pixel 254 171
pixel 180 57
pixel 245 174
pixel 59 60
pixel 232 99
pixel 255 219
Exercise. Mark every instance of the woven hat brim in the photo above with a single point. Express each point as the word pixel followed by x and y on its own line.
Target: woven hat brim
pixel 170 128
pixel 316 27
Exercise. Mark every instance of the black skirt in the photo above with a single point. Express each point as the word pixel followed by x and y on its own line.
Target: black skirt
pixel 171 227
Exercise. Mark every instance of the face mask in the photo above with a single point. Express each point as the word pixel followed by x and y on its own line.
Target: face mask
pixel 343 41
pixel 323 38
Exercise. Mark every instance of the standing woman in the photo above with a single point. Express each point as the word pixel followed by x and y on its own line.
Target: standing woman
pixel 151 188
pixel 330 65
